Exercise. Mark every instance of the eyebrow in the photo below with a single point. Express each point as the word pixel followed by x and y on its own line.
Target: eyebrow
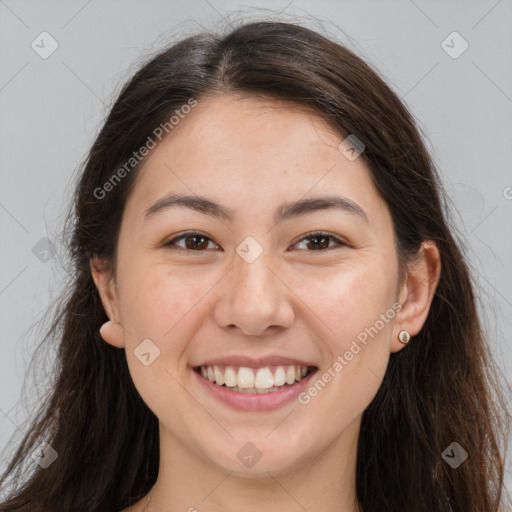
pixel 285 211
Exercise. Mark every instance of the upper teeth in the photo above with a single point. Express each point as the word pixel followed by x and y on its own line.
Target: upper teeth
pixel 256 378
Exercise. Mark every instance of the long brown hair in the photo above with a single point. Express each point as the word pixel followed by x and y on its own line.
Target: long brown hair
pixel 442 388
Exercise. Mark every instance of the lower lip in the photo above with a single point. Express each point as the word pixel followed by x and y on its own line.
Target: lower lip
pixel 254 401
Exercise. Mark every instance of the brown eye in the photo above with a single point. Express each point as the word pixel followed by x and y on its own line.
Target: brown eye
pixel 320 241
pixel 198 242
pixel 193 242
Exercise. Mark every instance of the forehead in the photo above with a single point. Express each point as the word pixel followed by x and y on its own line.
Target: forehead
pixel 230 127
pixel 250 152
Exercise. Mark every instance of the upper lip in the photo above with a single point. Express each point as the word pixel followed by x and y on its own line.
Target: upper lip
pixel 250 362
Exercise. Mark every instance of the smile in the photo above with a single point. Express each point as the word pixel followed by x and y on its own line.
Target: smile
pixel 268 379
pixel 254 388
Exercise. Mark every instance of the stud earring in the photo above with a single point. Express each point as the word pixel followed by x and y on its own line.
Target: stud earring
pixel 404 337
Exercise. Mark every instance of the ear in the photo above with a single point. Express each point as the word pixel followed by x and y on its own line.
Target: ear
pixel 111 331
pixel 417 292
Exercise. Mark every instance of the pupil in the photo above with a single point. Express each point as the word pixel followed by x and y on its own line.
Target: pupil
pixel 316 238
pixel 194 246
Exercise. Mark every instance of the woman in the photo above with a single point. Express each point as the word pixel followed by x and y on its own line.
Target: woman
pixel 268 309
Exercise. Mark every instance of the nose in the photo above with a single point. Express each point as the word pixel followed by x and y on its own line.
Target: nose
pixel 254 299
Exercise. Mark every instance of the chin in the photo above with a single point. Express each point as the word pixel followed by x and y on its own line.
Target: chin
pixel 262 455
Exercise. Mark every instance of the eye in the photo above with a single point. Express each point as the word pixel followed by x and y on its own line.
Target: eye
pixel 198 242
pixel 194 241
pixel 320 240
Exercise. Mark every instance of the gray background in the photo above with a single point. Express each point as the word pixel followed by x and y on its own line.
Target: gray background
pixel 51 110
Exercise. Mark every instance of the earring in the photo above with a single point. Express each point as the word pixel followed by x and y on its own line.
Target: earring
pixel 404 337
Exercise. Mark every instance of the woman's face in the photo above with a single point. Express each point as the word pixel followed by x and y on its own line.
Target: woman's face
pixel 259 294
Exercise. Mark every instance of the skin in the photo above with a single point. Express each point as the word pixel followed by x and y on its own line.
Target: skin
pixel 251 155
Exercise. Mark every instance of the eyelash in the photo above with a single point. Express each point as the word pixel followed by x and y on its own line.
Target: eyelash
pixel 307 236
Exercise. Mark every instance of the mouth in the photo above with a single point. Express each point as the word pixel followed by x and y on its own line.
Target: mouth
pixel 255 380
pixel 258 386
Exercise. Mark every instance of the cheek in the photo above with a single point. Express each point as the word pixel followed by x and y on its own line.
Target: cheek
pixel 156 300
pixel 356 305
pixel 350 298
pixel 160 305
